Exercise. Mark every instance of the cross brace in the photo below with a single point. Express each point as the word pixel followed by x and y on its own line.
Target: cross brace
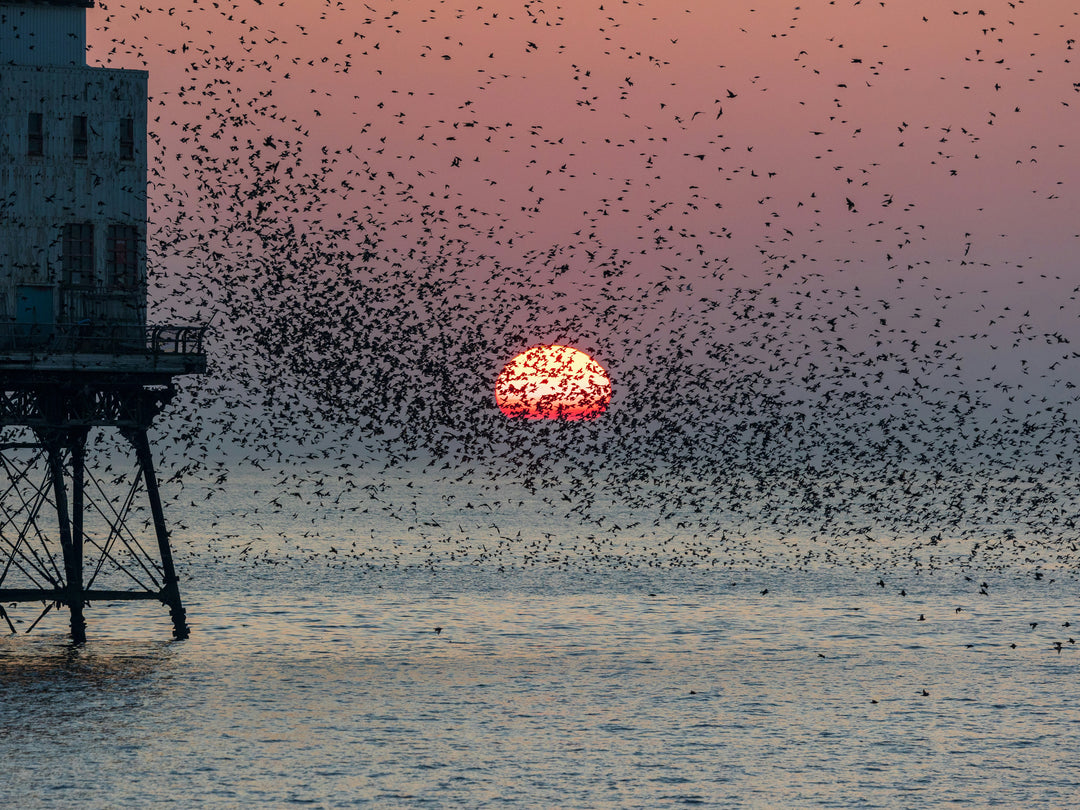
pixel 52 554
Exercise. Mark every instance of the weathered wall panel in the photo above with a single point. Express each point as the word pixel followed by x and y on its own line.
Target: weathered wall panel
pixel 39 194
pixel 42 35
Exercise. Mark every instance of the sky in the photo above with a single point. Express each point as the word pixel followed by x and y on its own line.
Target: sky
pixel 538 118
pixel 787 230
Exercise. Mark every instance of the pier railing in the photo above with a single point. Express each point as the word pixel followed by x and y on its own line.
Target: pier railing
pixel 172 339
pixel 86 337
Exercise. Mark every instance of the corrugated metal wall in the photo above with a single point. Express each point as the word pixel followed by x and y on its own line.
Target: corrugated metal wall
pixel 40 194
pixel 42 35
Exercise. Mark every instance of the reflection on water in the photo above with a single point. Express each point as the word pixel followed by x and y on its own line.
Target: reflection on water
pixel 47 661
pixel 554 689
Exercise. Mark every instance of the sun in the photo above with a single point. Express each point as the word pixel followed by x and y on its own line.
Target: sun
pixel 553 382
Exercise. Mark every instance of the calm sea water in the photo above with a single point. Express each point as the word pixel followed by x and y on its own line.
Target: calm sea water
pixel 586 675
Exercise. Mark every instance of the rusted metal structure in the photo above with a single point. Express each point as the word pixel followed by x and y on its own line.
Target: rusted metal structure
pixel 77 357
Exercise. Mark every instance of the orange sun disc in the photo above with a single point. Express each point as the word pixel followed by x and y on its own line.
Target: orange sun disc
pixel 553 382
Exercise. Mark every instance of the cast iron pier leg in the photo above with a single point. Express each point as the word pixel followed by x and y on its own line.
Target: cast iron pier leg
pixel 171 591
pixel 70 524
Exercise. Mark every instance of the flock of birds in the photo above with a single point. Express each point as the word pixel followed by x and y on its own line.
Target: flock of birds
pixel 781 241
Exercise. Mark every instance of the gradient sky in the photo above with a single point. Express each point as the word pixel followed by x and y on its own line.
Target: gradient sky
pixel 643 180
pixel 579 106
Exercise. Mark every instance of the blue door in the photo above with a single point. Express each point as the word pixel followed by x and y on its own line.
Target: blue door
pixel 35 317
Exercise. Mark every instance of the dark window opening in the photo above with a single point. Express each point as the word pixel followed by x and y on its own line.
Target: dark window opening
pixel 122 257
pixel 80 136
pixel 127 138
pixel 78 254
pixel 35 135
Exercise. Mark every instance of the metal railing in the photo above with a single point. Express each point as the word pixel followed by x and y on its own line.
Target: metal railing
pixel 173 339
pixel 88 337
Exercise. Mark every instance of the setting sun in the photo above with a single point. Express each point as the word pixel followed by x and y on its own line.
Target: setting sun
pixel 553 382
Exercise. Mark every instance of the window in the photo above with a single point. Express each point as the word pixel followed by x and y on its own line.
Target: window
pixel 121 256
pixel 78 254
pixel 35 135
pixel 80 136
pixel 127 138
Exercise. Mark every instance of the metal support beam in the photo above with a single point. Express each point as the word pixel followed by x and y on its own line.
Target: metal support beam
pixel 77 451
pixel 94 538
pixel 171 589
pixel 67 529
pixel 62 595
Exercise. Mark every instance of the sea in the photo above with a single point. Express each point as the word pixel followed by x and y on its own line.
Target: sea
pixel 409 646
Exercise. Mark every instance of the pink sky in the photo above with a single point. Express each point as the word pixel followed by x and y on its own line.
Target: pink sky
pixel 547 84
pixel 595 132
